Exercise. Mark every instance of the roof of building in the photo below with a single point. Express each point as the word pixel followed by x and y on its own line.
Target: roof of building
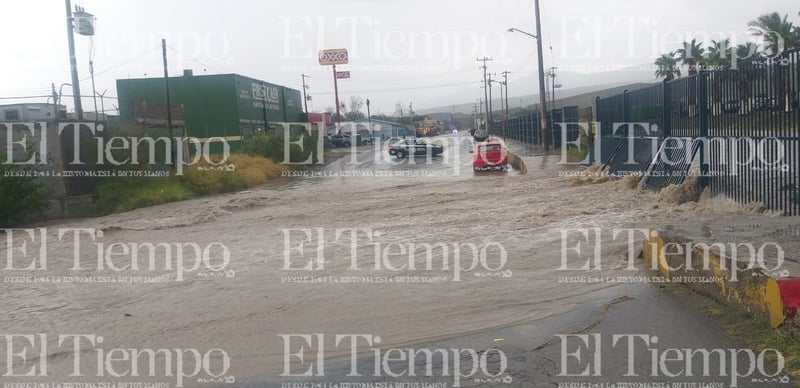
pixel 37 104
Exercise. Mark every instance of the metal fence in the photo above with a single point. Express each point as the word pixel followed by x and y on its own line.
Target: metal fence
pixel 737 125
pixel 527 128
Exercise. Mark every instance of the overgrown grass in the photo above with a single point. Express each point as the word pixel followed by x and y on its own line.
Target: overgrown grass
pixel 750 328
pixel 124 194
pixel 273 146
pixel 758 334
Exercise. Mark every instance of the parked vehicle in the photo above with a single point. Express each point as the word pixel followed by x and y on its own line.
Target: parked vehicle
pixel 404 148
pixel 339 141
pixel 489 155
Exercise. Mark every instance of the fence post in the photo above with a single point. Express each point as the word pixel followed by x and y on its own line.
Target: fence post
pixel 666 111
pixel 626 114
pixel 597 116
pixel 702 103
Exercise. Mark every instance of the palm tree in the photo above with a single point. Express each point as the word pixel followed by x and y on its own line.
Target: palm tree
pixel 744 74
pixel 691 55
pixel 667 67
pixel 718 56
pixel 779 35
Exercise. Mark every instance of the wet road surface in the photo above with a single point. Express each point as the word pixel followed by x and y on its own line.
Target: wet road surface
pixel 416 252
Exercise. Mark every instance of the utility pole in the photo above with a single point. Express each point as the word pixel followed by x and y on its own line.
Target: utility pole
pixel 543 102
pixel 73 63
pixel 553 94
pixel 475 115
pixel 369 120
pixel 305 98
pixel 485 91
pixel 505 112
pixel 402 118
pixel 166 86
pixel 491 121
pixel 553 85
pixel 55 102
pixel 411 115
pixel 94 91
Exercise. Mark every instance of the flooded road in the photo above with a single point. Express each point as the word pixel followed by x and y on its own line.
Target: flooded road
pixel 410 252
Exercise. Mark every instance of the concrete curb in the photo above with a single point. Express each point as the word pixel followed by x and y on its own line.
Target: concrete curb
pixel 705 271
pixel 516 162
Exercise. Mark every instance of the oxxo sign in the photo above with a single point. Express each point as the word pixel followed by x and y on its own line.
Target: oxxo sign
pixel 333 57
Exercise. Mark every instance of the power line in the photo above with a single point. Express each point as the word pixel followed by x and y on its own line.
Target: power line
pixel 121 64
pixel 406 88
pixel 194 60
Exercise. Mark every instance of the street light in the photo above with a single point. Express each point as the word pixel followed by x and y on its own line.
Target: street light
pixel 60 91
pixel 542 100
pixel 512 29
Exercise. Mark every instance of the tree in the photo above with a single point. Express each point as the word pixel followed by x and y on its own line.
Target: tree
pixel 21 194
pixel 356 104
pixel 719 53
pixel 718 57
pixel 744 74
pixel 779 35
pixel 691 55
pixel 667 67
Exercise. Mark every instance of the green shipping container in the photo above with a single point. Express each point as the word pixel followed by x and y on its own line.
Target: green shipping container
pixel 229 106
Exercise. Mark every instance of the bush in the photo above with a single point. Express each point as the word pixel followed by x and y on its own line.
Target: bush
pixel 125 194
pixel 21 194
pixel 272 146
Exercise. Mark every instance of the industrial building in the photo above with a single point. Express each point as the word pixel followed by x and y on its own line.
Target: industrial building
pixel 32 112
pixel 229 106
pixel 384 129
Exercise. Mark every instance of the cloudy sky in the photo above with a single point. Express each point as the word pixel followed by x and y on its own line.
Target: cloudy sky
pixel 400 50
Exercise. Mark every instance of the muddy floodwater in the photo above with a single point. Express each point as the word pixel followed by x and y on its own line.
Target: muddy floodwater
pixel 438 252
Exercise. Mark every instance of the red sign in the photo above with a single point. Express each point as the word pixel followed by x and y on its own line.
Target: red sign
pixel 333 57
pixel 342 74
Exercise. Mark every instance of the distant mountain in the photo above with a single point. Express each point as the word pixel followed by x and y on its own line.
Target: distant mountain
pixel 575 84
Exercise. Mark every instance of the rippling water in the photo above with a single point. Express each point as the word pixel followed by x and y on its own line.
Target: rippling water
pixel 252 302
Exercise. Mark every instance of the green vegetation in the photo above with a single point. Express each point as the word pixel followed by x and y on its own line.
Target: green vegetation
pixel 21 194
pixel 757 333
pixel 124 194
pixel 272 145
pixel 778 33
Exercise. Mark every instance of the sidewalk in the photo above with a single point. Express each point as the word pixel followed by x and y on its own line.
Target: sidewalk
pixel 763 249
